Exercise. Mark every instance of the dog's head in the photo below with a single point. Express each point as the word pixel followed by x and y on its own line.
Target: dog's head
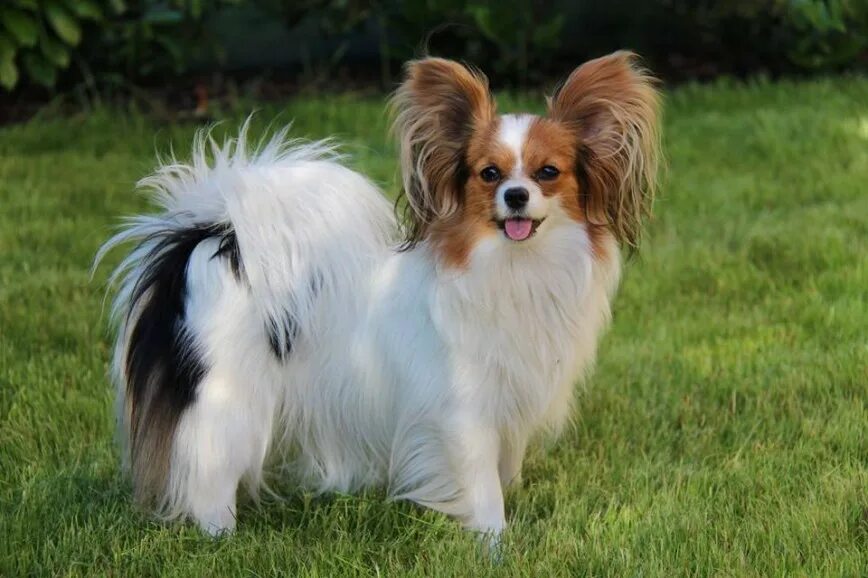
pixel 471 174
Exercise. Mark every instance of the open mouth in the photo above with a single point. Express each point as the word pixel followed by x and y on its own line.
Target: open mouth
pixel 519 228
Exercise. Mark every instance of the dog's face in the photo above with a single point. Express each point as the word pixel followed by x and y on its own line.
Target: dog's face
pixel 520 170
pixel 471 174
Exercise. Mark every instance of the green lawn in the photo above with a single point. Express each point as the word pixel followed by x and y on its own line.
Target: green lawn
pixel 724 432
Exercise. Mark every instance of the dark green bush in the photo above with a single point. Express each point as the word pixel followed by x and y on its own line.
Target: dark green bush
pixel 154 38
pixel 514 41
pixel 522 42
pixel 827 33
pixel 38 36
pixel 528 41
pixel 117 40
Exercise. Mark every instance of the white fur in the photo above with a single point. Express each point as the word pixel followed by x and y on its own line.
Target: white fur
pixel 428 381
pixel 513 133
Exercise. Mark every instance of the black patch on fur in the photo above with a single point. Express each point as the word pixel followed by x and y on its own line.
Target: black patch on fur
pixel 163 369
pixel 289 330
pixel 277 330
pixel 228 248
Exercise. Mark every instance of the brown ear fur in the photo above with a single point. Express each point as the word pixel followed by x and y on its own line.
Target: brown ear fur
pixel 436 110
pixel 612 105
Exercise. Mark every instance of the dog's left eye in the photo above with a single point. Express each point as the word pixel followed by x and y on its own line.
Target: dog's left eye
pixel 547 173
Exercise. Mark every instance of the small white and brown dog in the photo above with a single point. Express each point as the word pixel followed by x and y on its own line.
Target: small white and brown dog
pixel 276 311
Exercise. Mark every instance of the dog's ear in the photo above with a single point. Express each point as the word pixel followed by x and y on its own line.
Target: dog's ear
pixel 436 110
pixel 612 105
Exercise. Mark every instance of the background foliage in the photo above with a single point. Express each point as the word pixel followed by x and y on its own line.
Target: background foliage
pixel 124 42
pixel 37 36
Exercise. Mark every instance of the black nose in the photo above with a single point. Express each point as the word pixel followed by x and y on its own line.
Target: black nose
pixel 516 197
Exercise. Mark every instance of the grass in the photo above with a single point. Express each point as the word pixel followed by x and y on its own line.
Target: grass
pixel 724 432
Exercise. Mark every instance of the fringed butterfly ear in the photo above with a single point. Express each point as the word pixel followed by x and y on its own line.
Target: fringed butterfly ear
pixel 612 105
pixel 436 110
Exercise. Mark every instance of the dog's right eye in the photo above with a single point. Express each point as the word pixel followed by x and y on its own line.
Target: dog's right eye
pixel 490 174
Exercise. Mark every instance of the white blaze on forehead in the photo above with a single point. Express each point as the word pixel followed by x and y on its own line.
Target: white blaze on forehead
pixel 513 133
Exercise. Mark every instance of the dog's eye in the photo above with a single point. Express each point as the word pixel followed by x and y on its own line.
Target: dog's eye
pixel 490 174
pixel 547 173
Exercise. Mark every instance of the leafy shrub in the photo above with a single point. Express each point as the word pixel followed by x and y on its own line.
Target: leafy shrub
pixel 517 41
pixel 37 37
pixel 154 37
pixel 332 25
pixel 827 33
pixel 523 42
pixel 392 31
pixel 121 40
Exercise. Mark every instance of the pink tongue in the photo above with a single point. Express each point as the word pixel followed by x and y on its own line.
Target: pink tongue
pixel 518 229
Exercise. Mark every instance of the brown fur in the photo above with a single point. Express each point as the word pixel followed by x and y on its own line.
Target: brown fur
pixel 150 434
pixel 552 143
pixel 612 106
pixel 438 108
pixel 455 236
pixel 601 134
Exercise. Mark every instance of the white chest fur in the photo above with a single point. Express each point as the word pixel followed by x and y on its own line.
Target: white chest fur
pixel 521 325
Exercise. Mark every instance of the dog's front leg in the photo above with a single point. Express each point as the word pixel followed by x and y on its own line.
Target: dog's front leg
pixel 512 451
pixel 480 479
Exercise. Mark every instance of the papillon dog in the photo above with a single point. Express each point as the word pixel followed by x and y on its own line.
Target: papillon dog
pixel 276 314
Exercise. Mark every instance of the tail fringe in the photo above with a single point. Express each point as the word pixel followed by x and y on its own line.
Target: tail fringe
pixel 155 365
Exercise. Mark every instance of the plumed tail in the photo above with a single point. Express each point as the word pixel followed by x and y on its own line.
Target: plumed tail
pixel 294 227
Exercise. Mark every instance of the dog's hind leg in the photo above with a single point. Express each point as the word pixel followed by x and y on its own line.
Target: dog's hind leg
pixel 224 435
pixel 220 440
